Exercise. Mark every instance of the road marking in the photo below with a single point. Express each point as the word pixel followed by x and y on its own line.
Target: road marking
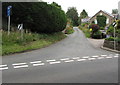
pixel 86 57
pixel 65 59
pixel 50 60
pixel 55 62
pixel 91 58
pixel 69 61
pixel 19 64
pixel 95 56
pixel 5 68
pixel 103 55
pixel 76 58
pixel 81 59
pixel 23 66
pixel 116 56
pixel 39 64
pixel 35 62
pixel 100 58
pixel 109 57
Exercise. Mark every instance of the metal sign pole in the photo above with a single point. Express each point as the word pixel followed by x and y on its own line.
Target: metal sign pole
pixel 22 31
pixel 8 25
pixel 114 40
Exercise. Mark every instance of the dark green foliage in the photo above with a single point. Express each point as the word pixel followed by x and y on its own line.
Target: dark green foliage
pixel 83 14
pixel 101 20
pixel 97 35
pixel 38 17
pixel 115 11
pixel 73 15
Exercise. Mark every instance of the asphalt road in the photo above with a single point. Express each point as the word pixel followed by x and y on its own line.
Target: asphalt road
pixel 72 60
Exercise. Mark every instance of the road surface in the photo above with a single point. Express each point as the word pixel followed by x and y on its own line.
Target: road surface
pixel 72 60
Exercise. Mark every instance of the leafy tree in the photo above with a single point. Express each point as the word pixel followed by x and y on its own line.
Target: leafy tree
pixel 83 14
pixel 115 11
pixel 38 17
pixel 73 15
pixel 56 5
pixel 101 20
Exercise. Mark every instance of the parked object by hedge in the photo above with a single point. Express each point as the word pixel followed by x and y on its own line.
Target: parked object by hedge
pixel 39 17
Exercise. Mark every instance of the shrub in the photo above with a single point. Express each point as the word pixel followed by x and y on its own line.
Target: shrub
pixel 97 35
pixel 101 20
pixel 38 17
pixel 94 27
pixel 69 30
pixel 110 30
pixel 101 28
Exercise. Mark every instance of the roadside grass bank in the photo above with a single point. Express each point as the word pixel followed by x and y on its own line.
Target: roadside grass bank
pixel 86 31
pixel 69 30
pixel 14 43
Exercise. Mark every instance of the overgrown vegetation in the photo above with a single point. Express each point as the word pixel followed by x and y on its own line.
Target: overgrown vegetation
pixel 86 31
pixel 14 43
pixel 101 20
pixel 38 17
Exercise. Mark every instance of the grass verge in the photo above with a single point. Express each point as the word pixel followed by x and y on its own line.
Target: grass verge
pixel 86 31
pixel 13 43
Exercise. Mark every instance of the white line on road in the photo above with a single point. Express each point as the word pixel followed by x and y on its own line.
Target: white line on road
pixel 35 62
pixel 95 56
pixel 81 59
pixel 109 57
pixel 65 59
pixel 100 58
pixel 116 56
pixel 39 64
pixel 5 68
pixel 23 66
pixel 91 58
pixel 86 57
pixel 19 64
pixel 76 58
pixel 50 60
pixel 103 55
pixel 55 62
pixel 69 61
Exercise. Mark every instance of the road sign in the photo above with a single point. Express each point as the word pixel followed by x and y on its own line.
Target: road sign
pixel 20 26
pixel 9 10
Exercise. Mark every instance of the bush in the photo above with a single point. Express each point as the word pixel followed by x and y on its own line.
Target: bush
pixel 101 28
pixel 38 17
pixel 94 27
pixel 101 19
pixel 69 30
pixel 110 30
pixel 117 39
pixel 97 35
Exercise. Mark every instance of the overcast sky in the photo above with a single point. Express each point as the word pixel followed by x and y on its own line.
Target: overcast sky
pixel 91 6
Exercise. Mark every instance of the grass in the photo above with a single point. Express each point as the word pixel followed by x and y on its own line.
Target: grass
pixel 13 43
pixel 69 30
pixel 86 31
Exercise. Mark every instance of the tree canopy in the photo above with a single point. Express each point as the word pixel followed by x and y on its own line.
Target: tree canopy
pixel 38 17
pixel 83 14
pixel 73 15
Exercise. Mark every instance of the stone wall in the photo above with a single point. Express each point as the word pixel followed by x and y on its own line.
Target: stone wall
pixel 110 44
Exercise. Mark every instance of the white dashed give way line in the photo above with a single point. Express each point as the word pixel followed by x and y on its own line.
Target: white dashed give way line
pixel 20 65
pixel 3 67
pixel 58 61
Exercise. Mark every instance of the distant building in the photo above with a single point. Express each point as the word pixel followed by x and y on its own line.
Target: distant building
pixel 109 21
pixel 85 20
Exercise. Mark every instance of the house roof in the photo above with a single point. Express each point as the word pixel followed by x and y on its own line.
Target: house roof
pixel 103 12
